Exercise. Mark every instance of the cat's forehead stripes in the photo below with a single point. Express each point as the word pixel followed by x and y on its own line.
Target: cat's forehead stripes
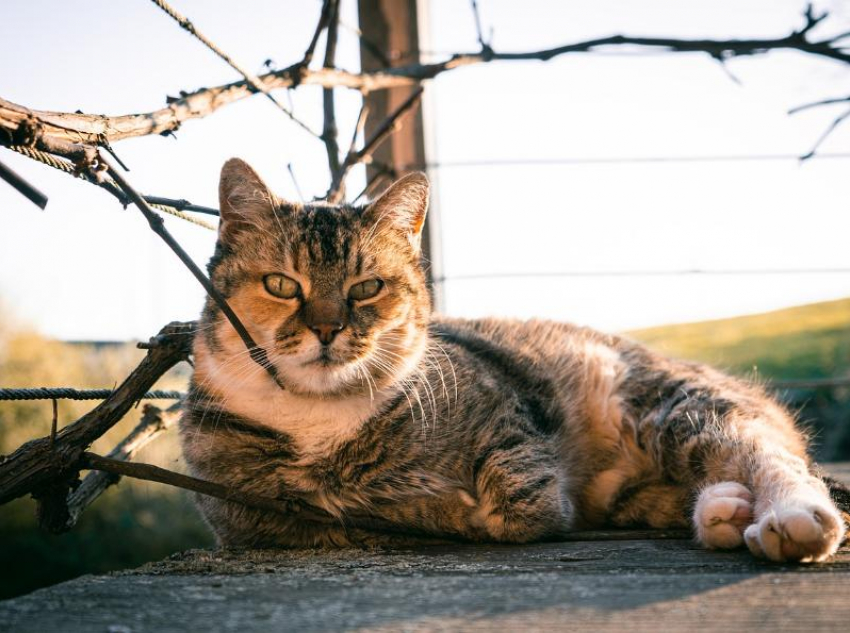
pixel 327 241
pixel 326 231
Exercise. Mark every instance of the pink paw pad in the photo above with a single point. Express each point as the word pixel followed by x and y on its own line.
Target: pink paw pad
pixel 721 514
pixel 806 529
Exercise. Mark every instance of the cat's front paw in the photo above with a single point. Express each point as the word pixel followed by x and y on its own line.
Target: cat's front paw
pixel 797 529
pixel 721 514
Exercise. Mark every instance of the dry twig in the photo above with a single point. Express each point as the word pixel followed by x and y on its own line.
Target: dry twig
pixel 36 466
pixel 330 132
pixel 153 423
pixel 386 128
pixel 254 82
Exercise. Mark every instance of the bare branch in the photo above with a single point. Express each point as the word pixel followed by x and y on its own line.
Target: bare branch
pixel 485 45
pixel 22 186
pixel 166 205
pixel 290 506
pixel 384 130
pixel 329 129
pixel 337 188
pixel 817 104
pixel 36 464
pixel 359 127
pixel 324 18
pixel 373 185
pixel 829 130
pixel 295 181
pixel 181 205
pixel 832 126
pixel 70 134
pixel 161 475
pixel 153 423
pixel 255 82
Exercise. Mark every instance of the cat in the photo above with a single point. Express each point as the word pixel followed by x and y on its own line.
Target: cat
pixel 488 430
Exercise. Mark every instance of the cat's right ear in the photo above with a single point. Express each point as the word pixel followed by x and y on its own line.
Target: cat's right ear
pixel 242 196
pixel 403 207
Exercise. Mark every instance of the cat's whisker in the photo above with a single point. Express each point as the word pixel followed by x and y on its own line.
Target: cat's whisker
pixel 449 361
pixel 423 380
pixel 401 385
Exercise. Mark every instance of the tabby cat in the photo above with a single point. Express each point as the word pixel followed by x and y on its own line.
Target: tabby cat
pixel 486 430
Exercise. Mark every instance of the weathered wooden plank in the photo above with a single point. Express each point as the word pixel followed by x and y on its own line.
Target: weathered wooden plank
pixel 622 585
pixel 608 585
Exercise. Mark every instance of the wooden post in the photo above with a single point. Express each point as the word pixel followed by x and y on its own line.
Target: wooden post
pixel 391 35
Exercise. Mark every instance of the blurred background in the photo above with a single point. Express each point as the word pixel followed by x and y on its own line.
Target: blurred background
pixel 660 195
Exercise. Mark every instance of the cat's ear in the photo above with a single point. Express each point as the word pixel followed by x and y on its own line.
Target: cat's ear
pixel 242 196
pixel 403 206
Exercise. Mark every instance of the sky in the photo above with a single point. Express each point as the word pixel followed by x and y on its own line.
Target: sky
pixel 87 269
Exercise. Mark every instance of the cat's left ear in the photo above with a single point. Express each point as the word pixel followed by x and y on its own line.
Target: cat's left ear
pixel 242 195
pixel 404 205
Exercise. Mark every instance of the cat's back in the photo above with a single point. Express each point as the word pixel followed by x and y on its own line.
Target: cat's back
pixel 538 346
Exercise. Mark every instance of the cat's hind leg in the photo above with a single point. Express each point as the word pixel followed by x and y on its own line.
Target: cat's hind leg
pixel 783 513
pixel 740 453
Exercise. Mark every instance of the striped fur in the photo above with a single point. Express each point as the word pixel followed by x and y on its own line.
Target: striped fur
pixel 487 430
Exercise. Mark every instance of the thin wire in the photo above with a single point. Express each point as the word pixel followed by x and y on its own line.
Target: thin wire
pixel 642 273
pixel 626 160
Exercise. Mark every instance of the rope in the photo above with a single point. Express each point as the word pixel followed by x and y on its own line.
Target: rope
pixel 48 159
pixel 67 393
pixel 69 168
pixel 255 82
pixel 183 216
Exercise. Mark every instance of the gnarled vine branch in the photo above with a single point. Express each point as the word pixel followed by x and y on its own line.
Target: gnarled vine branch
pixel 70 134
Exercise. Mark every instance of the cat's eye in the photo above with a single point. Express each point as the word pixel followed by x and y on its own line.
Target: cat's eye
pixel 365 289
pixel 281 286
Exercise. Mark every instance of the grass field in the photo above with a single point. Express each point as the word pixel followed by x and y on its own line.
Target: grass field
pixel 810 341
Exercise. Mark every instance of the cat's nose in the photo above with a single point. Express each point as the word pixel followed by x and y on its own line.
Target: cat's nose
pixel 327 331
pixel 325 317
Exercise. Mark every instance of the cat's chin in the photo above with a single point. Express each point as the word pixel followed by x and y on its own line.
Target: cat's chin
pixel 323 377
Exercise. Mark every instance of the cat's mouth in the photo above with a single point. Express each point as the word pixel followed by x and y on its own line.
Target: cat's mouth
pixel 326 358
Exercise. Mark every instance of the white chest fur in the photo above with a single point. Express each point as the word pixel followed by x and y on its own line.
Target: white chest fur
pixel 316 424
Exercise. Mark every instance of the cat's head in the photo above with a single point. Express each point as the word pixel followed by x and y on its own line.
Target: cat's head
pixel 335 294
